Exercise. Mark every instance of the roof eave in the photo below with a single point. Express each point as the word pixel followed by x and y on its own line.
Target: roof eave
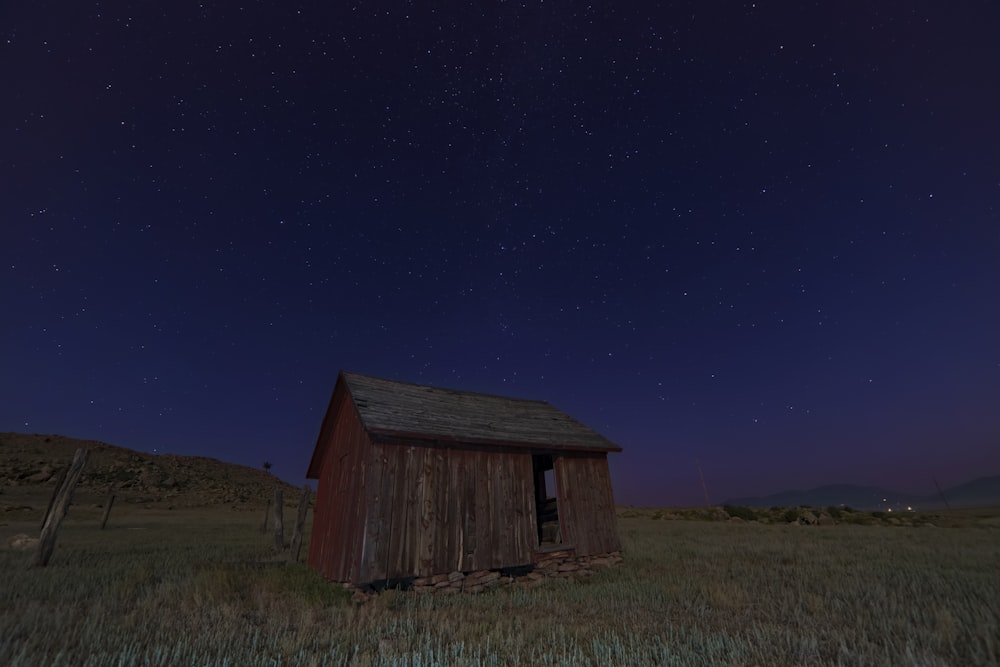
pixel 396 436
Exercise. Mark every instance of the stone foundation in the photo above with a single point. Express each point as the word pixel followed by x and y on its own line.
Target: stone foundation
pixel 561 564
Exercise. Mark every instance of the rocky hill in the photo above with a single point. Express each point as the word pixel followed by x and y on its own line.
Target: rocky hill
pixel 33 463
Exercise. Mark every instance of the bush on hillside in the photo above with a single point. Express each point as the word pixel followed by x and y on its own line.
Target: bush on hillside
pixel 744 513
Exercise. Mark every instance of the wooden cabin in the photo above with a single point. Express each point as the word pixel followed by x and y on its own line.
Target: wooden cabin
pixel 417 481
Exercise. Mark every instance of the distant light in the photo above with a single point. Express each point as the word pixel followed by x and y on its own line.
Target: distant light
pixel 909 509
pixel 889 509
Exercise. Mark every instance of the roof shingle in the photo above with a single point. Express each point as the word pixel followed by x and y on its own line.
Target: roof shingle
pixel 399 409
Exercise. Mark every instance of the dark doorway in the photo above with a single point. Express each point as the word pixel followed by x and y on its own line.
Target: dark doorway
pixel 546 504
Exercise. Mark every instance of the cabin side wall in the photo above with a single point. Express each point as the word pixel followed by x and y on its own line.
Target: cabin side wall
pixel 434 510
pixel 586 503
pixel 338 522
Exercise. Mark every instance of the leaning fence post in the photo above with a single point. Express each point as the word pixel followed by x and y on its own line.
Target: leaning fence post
pixel 300 523
pixel 60 505
pixel 279 523
pixel 107 508
pixel 55 494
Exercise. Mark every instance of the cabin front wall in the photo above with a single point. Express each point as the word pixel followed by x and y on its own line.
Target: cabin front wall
pixel 433 510
pixel 586 503
pixel 338 522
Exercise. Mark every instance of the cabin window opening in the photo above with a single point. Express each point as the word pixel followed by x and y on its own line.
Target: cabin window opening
pixel 550 483
pixel 546 501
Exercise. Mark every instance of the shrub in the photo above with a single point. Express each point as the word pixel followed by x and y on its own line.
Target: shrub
pixel 791 515
pixel 744 513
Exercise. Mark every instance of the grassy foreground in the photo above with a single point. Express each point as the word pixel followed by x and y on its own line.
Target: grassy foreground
pixel 172 588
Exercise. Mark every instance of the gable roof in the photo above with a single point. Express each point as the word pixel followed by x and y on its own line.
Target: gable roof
pixel 400 410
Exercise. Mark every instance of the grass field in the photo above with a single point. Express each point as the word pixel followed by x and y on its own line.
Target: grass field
pixel 176 587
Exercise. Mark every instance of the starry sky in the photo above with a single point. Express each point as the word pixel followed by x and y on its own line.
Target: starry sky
pixel 759 238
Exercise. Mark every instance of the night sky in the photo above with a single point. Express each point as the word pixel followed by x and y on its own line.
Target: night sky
pixel 763 237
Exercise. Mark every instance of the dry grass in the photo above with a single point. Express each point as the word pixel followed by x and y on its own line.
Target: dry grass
pixel 165 588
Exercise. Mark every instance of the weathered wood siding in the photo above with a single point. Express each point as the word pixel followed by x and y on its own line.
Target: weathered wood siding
pixel 338 522
pixel 586 503
pixel 434 510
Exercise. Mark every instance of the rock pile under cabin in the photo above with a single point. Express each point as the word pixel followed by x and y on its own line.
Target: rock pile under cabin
pixel 441 490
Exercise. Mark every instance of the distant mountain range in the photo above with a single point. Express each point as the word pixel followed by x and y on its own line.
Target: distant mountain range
pixel 980 492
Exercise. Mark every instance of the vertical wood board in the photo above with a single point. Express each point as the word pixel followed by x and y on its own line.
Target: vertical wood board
pixel 586 504
pixel 340 504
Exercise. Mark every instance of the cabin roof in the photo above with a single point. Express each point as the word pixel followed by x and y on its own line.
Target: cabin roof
pixel 391 409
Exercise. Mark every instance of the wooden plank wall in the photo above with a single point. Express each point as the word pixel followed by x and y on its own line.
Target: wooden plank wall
pixel 433 510
pixel 586 503
pixel 338 522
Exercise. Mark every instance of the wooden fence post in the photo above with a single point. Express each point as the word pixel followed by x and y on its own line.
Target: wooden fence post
pixel 60 505
pixel 279 522
pixel 267 513
pixel 300 523
pixel 107 508
pixel 55 493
